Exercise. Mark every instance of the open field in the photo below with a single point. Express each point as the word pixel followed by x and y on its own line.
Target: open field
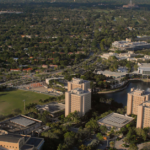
pixel 10 100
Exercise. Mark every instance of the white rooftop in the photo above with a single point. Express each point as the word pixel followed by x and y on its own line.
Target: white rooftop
pixel 115 120
pixel 52 107
pixel 22 121
pixel 144 65
pixel 78 80
pixel 78 91
pixel 110 73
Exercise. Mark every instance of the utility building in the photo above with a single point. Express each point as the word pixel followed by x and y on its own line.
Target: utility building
pixel 77 100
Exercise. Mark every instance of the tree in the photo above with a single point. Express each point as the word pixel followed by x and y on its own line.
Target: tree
pixel 142 133
pixel 133 147
pixel 99 136
pixel 69 138
pixel 112 144
pixel 83 147
pixel 103 129
pixel 92 125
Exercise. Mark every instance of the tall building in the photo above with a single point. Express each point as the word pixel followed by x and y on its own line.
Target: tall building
pixel 143 116
pixel 77 100
pixel 135 98
pixel 78 83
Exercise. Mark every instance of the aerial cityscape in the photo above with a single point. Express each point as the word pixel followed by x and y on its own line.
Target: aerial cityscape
pixel 74 75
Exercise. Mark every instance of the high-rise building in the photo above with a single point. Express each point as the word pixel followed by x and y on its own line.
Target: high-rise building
pixel 143 116
pixel 77 100
pixel 135 98
pixel 78 83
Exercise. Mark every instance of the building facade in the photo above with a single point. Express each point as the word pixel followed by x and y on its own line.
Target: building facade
pixel 18 142
pixel 129 45
pixel 78 83
pixel 144 68
pixel 143 117
pixel 77 100
pixel 135 98
pixel 11 142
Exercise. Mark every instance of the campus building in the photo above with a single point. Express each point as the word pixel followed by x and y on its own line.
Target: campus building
pixel 115 120
pixel 144 68
pixel 55 109
pixel 78 83
pixel 18 142
pixel 20 125
pixel 77 100
pixel 143 116
pixel 129 45
pixel 135 98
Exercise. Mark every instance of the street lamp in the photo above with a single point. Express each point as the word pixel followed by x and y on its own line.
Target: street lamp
pixel 24 105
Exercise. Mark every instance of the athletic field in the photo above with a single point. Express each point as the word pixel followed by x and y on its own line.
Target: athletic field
pixel 10 100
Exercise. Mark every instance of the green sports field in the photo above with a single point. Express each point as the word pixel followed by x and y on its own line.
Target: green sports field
pixel 10 100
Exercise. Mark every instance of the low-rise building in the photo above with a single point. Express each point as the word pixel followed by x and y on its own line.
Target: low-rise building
pixel 45 66
pixel 57 78
pixel 144 68
pixel 55 109
pixel 122 69
pixel 20 125
pixel 120 56
pixel 108 73
pixel 53 66
pixel 128 45
pixel 18 142
pixel 115 120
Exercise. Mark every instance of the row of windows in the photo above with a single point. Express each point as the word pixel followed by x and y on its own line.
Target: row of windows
pixel 8 146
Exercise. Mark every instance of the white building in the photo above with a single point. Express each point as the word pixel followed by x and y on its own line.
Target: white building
pixel 120 56
pixel 128 45
pixel 144 68
pixel 48 79
pixel 115 120
pixel 108 73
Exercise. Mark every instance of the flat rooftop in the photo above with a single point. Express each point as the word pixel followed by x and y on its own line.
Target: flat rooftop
pixel 115 120
pixel 79 91
pixel 34 141
pixel 51 107
pixel 79 81
pixel 22 121
pixel 27 147
pixel 110 73
pixel 18 123
pixel 140 92
pixel 144 65
pixel 146 104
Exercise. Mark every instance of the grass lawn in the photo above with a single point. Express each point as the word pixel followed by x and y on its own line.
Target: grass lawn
pixel 10 100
